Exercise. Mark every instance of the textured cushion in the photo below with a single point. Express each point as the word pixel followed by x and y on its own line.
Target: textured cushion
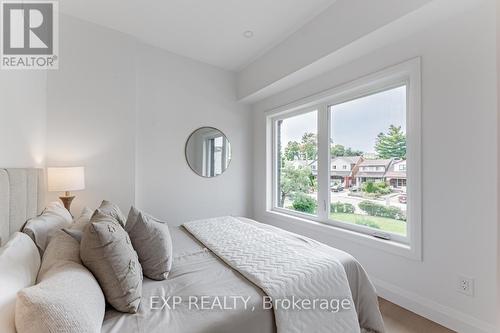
pixel 151 239
pixel 60 251
pixel 112 210
pixel 67 297
pixel 57 208
pixel 84 219
pixel 77 234
pixel 42 227
pixel 107 252
pixel 76 229
pixel 19 265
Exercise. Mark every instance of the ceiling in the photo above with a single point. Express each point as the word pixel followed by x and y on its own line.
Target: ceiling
pixel 210 31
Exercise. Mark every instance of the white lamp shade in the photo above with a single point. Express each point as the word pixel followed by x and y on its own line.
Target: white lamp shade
pixel 66 179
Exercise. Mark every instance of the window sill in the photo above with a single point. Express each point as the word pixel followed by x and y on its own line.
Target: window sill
pixel 388 246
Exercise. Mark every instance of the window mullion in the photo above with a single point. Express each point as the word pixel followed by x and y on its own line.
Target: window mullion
pixel 323 163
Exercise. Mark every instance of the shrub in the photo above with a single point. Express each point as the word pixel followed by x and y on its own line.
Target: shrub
pixel 376 187
pixel 375 209
pixel 304 203
pixel 368 187
pixel 341 207
pixel 382 188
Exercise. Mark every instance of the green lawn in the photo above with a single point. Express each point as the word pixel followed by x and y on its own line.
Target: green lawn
pixel 384 224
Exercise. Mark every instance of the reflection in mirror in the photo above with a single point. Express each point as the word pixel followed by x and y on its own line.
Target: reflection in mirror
pixel 208 152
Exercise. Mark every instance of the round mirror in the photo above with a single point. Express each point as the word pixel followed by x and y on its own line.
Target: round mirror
pixel 208 152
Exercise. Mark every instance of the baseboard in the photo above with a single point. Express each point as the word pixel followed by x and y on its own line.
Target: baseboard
pixel 441 314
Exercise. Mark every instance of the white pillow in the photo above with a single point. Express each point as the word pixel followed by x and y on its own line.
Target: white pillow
pixel 84 219
pixel 42 227
pixel 76 229
pixel 57 208
pixel 19 265
pixel 67 297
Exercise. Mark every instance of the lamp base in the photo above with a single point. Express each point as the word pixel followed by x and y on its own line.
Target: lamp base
pixel 66 200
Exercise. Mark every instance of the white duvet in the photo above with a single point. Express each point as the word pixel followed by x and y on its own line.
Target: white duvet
pixel 290 271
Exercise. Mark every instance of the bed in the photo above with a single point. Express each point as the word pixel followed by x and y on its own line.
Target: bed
pixel 197 272
pixel 21 197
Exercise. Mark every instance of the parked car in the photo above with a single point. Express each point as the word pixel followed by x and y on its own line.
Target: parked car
pixel 354 188
pixel 337 188
pixel 403 198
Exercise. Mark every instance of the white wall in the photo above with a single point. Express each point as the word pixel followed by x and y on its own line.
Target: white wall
pixel 320 37
pixel 174 97
pixel 459 117
pixel 22 118
pixel 85 114
pixel 116 105
pixel 91 111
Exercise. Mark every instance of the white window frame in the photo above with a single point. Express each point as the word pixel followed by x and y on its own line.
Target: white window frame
pixel 207 166
pixel 407 73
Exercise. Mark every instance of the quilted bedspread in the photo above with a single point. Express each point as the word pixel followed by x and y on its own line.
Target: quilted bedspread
pixel 308 288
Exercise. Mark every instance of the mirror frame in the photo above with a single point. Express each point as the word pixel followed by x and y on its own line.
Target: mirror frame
pixel 186 151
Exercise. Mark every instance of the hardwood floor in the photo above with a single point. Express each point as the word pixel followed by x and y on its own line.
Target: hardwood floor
pixel 399 320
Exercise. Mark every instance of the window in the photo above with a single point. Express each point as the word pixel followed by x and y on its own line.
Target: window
pixel 215 155
pixel 347 159
pixel 297 143
pixel 374 128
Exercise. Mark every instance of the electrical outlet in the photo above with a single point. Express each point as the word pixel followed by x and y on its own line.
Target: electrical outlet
pixel 465 285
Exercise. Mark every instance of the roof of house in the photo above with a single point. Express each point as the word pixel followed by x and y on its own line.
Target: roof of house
pixel 351 159
pixel 384 163
pixel 340 173
pixel 396 174
pixel 392 173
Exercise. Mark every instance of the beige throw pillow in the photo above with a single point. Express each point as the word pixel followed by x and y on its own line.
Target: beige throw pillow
pixel 151 239
pixel 112 210
pixel 84 219
pixel 42 227
pixel 67 297
pixel 106 250
pixel 76 229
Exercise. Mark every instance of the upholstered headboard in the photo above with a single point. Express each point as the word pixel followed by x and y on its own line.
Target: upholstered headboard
pixel 21 197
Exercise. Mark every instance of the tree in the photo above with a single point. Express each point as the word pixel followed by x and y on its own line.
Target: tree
pixel 307 149
pixel 292 150
pixel 309 146
pixel 392 144
pixel 294 180
pixel 350 152
pixel 339 150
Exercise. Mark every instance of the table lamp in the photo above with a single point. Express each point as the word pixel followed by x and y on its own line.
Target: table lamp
pixel 66 180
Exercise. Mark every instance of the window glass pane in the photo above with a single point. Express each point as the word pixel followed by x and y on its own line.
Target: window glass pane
pixel 218 141
pixel 368 135
pixel 297 163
